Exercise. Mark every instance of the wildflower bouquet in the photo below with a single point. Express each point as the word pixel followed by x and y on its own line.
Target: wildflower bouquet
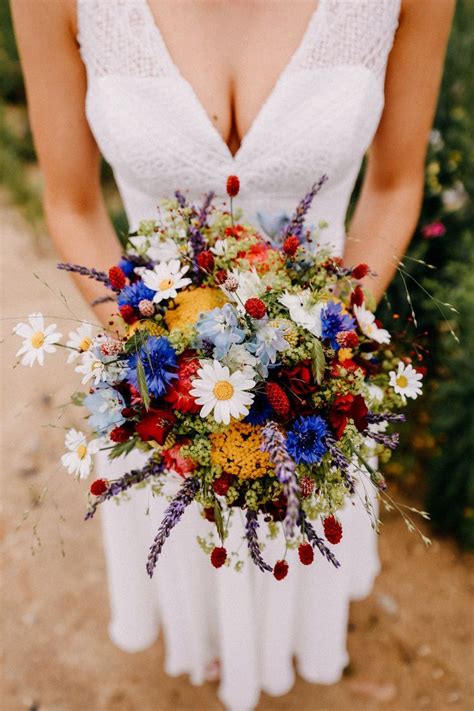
pixel 254 373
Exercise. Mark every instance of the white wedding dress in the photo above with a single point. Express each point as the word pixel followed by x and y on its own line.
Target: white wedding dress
pixel 320 118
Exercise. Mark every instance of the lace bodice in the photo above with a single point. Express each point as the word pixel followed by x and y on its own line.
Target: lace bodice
pixel 320 117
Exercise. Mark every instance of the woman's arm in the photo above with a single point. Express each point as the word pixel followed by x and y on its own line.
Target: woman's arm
pixel 56 86
pixel 389 204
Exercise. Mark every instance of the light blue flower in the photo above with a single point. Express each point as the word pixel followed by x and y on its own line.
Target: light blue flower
pixel 273 224
pixel 220 327
pixel 268 342
pixel 105 405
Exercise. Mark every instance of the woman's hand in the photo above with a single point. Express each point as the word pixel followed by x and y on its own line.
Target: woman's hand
pixel 388 208
pixel 56 84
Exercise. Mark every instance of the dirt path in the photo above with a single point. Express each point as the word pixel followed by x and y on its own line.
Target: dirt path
pixel 410 642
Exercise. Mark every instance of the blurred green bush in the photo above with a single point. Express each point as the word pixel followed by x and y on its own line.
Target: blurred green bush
pixel 437 449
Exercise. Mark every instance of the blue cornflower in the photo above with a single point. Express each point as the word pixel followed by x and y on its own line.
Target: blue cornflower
pixel 306 439
pixel 260 410
pixel 127 267
pixel 221 328
pixel 105 405
pixel 133 294
pixel 333 321
pixel 158 358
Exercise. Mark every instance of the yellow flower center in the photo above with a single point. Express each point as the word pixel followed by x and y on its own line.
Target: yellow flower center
pixel 223 390
pixel 85 344
pixel 402 381
pixel 37 339
pixel 166 284
pixel 81 451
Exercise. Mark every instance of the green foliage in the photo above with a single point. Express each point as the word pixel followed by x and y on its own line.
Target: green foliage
pixel 439 437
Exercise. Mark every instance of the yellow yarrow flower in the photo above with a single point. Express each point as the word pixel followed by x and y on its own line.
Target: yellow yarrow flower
pixel 190 304
pixel 153 328
pixel 237 451
pixel 344 354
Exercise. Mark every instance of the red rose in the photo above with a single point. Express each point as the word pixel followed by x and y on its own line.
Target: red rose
pixel 156 425
pixel 344 408
pixel 120 434
pixel 300 378
pixel 175 461
pixel 178 393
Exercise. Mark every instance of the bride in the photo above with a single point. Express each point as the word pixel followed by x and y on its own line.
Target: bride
pixel 178 94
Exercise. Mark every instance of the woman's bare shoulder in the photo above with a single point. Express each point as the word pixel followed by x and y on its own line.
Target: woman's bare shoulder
pixel 431 12
pixel 45 15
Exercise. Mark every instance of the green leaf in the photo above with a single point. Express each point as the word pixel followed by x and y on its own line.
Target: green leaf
pixel 123 448
pixel 318 361
pixel 219 520
pixel 142 384
pixel 138 339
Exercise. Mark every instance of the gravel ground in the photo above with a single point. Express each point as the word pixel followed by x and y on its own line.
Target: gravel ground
pixel 410 642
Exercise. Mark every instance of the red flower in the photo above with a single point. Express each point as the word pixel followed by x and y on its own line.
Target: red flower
pixel 256 253
pixel 218 557
pixel 127 313
pixel 433 230
pixel 209 514
pixel 117 278
pixel 120 434
pixel 233 186
pixel 290 245
pixel 221 484
pixel 255 308
pixel 176 462
pixel 156 425
pixel 357 297
pixel 300 378
pixel 280 570
pixel 360 271
pixel 332 530
pixel 178 392
pixel 205 260
pixel 347 407
pixel 306 553
pixel 235 231
pixel 277 399
pixel 99 487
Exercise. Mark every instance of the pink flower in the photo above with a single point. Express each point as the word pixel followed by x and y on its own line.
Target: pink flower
pixel 433 230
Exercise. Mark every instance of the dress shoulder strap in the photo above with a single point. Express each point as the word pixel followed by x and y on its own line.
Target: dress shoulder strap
pixel 357 32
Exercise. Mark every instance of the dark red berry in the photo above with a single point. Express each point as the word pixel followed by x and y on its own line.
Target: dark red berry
pixel 360 271
pixel 205 260
pixel 221 276
pixel 99 487
pixel 233 186
pixel 277 398
pixel 255 308
pixel 117 278
pixel 290 245
pixel 332 530
pixel 128 314
pixel 120 434
pixel 222 484
pixel 218 557
pixel 280 570
pixel 306 553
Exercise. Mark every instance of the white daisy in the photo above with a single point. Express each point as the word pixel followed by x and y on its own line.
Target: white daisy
pixel 406 381
pixel 366 321
pixel 222 393
pixel 165 279
pixel 79 341
pixel 220 248
pixel 92 368
pixel 37 340
pixel 303 310
pixel 78 460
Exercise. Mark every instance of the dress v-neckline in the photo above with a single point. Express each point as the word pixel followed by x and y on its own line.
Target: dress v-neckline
pixel 223 145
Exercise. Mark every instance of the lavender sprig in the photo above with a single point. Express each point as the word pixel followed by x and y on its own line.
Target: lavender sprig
pixel 296 224
pixel 292 491
pixel 118 486
pixel 180 198
pixel 316 541
pixel 172 515
pixel 204 211
pixel 251 527
pixel 342 463
pixel 85 271
pixel 387 440
pixel 102 300
pixel 274 444
pixel 374 418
